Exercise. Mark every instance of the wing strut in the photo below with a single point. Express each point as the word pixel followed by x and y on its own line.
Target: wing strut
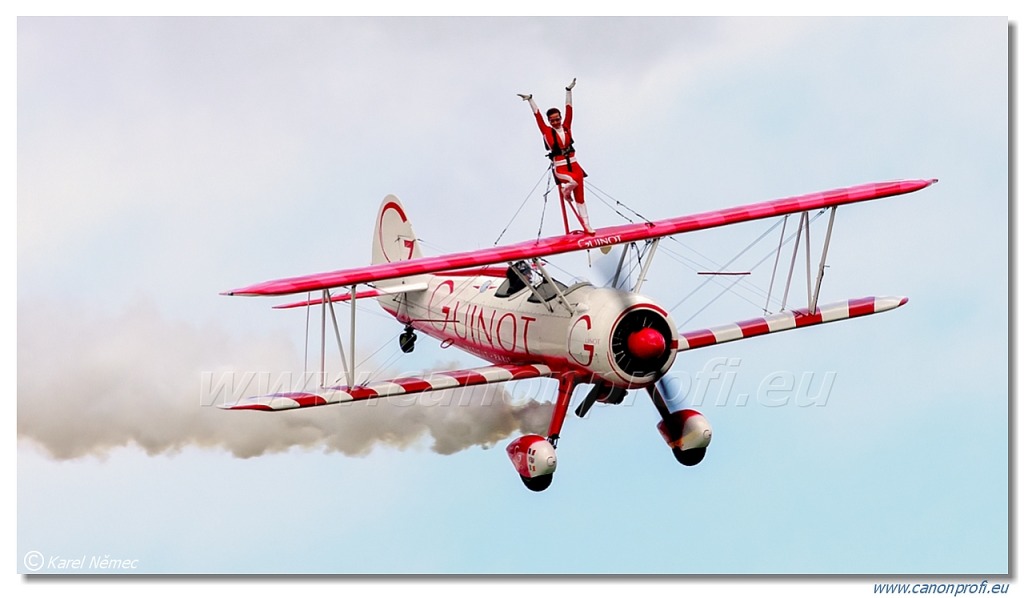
pixel 647 265
pixel 821 266
pixel 645 257
pixel 352 338
pixel 803 229
pixel 348 365
pixel 341 349
pixel 618 270
pixel 775 268
pixel 558 292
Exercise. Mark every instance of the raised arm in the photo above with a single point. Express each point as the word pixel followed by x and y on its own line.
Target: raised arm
pixel 567 120
pixel 528 97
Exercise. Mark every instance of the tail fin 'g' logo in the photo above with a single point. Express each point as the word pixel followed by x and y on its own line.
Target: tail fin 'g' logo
pixel 398 242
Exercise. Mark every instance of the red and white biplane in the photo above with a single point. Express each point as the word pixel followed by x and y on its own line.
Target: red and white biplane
pixel 501 305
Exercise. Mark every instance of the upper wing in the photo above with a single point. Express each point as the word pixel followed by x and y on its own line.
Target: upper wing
pixel 378 292
pixel 613 235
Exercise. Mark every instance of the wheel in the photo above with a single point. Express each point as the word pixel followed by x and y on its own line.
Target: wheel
pixel 539 483
pixel 690 457
pixel 407 340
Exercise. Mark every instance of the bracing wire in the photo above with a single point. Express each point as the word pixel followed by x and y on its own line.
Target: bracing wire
pixel 609 200
pixel 520 209
pixel 602 195
pixel 544 210
pixel 726 265
pixel 729 287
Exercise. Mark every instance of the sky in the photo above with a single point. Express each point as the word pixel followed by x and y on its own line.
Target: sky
pixel 161 161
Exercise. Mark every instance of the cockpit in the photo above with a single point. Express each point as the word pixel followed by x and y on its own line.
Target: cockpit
pixel 520 275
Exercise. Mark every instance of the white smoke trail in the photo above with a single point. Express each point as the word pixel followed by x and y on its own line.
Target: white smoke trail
pixel 87 386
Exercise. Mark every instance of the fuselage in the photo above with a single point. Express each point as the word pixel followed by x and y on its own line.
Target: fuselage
pixel 579 328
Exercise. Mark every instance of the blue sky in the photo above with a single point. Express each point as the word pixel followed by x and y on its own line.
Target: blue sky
pixel 161 161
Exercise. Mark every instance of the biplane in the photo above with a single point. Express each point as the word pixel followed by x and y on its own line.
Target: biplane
pixel 502 305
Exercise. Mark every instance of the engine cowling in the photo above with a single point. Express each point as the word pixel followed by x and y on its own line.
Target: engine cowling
pixel 626 340
pixel 688 434
pixel 534 459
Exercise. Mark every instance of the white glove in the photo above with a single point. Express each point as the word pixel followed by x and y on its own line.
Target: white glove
pixel 525 96
pixel 571 85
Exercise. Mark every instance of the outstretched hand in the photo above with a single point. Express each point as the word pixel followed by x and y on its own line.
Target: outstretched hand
pixel 525 96
pixel 571 85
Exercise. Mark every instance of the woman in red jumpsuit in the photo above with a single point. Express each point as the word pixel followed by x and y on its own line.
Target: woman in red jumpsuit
pixel 558 141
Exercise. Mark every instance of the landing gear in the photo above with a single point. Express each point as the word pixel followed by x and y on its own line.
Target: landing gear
pixel 601 393
pixel 407 340
pixel 534 458
pixel 687 432
pixel 533 455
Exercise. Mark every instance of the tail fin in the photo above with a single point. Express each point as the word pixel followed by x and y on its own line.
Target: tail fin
pixel 393 237
pixel 394 240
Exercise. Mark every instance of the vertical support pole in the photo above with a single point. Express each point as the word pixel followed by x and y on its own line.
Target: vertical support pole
pixel 813 307
pixel 566 384
pixel 807 253
pixel 775 268
pixel 341 349
pixel 622 262
pixel 323 338
pixel 352 339
pixel 647 265
pixel 792 262
pixel 565 215
pixel 305 345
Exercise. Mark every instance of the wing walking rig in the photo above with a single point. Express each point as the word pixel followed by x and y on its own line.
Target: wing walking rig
pixel 501 305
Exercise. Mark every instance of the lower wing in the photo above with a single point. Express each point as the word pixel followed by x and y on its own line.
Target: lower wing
pixel 788 320
pixel 390 388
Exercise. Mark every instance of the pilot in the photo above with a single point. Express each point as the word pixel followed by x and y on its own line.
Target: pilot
pixel 559 143
pixel 516 282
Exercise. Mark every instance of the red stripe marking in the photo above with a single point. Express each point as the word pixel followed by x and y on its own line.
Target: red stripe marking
pixel 468 377
pixel 310 401
pixel 862 307
pixel 361 393
pixel 754 327
pixel 304 399
pixel 699 338
pixel 524 371
pixel 412 385
pixel 803 318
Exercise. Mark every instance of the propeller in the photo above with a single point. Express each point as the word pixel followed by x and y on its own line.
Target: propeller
pixel 609 264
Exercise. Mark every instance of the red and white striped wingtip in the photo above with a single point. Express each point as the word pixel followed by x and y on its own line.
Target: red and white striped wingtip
pixel 788 320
